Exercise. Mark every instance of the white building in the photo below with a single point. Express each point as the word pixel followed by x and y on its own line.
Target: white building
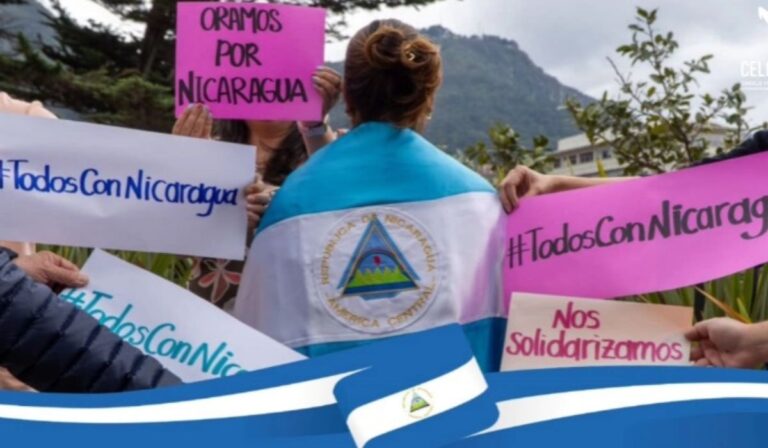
pixel 576 156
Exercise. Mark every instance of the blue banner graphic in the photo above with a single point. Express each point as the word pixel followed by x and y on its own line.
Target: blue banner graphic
pixel 420 390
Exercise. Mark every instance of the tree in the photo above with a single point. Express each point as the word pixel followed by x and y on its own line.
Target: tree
pixel 160 18
pixel 111 78
pixel 659 123
pixel 506 152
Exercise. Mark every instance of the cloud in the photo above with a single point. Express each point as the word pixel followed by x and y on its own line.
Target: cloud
pixel 571 40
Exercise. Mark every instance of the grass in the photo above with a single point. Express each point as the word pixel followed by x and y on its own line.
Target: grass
pixel 174 268
pixel 742 296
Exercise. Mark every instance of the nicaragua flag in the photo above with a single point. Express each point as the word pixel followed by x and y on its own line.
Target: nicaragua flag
pixel 379 234
pixel 412 398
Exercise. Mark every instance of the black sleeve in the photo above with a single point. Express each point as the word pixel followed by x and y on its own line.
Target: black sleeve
pixel 757 142
pixel 53 346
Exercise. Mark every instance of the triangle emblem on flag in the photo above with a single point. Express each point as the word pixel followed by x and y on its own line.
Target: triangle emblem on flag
pixel 418 403
pixel 378 269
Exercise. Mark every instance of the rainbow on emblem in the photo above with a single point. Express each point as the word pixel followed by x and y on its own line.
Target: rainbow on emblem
pixel 378 269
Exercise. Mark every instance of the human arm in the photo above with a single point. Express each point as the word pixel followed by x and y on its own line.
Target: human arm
pixel 328 84
pixel 196 121
pixel 258 195
pixel 53 346
pixel 19 248
pixel 523 182
pixel 725 342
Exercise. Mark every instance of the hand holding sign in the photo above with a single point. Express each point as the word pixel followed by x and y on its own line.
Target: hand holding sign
pixel 725 342
pixel 328 84
pixel 258 196
pixel 523 182
pixel 195 122
pixel 52 270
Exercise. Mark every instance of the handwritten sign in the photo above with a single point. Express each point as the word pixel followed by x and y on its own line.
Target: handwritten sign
pixel 189 336
pixel 249 60
pixel 79 184
pixel 551 331
pixel 651 234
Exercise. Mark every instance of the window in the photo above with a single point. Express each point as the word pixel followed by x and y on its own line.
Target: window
pixel 573 160
pixel 607 154
pixel 586 157
pixel 557 163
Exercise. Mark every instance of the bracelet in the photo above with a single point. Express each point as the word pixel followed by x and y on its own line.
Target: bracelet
pixel 316 130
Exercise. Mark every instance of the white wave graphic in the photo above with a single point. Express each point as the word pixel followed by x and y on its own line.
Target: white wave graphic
pixel 543 408
pixel 293 397
pixel 387 414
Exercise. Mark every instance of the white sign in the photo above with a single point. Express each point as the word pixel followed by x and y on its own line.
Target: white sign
pixel 79 184
pixel 550 331
pixel 189 336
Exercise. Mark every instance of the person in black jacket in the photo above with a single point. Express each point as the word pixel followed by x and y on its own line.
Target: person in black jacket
pixel 53 346
pixel 757 142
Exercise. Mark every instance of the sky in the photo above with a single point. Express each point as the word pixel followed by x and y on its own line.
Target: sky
pixel 572 39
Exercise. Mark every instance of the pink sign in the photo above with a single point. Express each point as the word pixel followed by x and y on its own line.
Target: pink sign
pixel 550 331
pixel 652 234
pixel 249 60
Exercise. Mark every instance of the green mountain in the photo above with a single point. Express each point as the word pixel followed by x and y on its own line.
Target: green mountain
pixel 491 80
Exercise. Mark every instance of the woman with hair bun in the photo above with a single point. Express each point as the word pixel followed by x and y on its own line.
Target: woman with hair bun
pixel 381 233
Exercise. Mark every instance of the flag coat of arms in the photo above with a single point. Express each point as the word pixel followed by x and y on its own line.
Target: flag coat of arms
pixel 379 234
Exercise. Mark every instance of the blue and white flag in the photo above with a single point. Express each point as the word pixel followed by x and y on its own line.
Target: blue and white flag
pixel 361 397
pixel 379 234
pixel 401 401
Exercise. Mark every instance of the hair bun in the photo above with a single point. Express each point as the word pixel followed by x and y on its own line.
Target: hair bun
pixel 390 48
pixel 392 74
pixel 420 53
pixel 384 47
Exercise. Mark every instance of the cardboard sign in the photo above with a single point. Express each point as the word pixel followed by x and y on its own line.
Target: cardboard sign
pixel 249 60
pixel 651 234
pixel 189 336
pixel 550 331
pixel 80 184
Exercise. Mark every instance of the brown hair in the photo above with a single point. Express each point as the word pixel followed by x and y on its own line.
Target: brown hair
pixel 289 156
pixel 391 74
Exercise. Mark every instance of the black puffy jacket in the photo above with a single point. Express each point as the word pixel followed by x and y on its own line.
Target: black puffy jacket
pixel 54 347
pixel 757 142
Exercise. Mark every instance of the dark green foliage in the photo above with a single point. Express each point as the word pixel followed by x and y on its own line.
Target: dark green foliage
pixel 505 152
pixel 660 123
pixel 109 78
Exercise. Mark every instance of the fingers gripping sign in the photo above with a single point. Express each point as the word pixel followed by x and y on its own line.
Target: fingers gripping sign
pixel 196 122
pixel 258 195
